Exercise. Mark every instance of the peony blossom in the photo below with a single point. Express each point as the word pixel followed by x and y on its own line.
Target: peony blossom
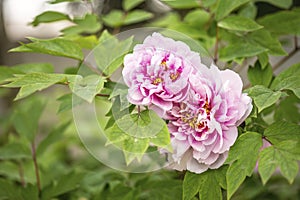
pixel 203 105
pixel 157 72
pixel 204 126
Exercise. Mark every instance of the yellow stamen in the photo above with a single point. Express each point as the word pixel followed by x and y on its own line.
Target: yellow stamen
pixel 173 76
pixel 156 81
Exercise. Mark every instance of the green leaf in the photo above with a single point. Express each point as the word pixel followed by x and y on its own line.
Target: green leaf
pixel 285 4
pixel 242 156
pixel 31 83
pixel 288 80
pixel 67 102
pixel 281 131
pixel 283 155
pixel 144 125
pixel 263 60
pixel 34 67
pixel 240 50
pixel 137 16
pixel 57 47
pixel 288 110
pixel 55 135
pixel 14 151
pixel 85 42
pixel 134 132
pixel 30 192
pixel 88 87
pixel 179 4
pixel 161 189
pixel 263 97
pixel 166 20
pixel 26 118
pixel 197 17
pixel 64 184
pixel 129 4
pixel 249 10
pixel 114 19
pixel 89 24
pixel 259 76
pixel 108 62
pixel 224 7
pixel 283 22
pixel 264 39
pixel 49 16
pixel 207 184
pixel 6 73
pixel 9 191
pixel 239 23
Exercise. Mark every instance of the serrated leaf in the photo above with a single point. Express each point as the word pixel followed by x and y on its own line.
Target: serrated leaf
pixel 30 192
pixel 282 130
pixel 239 23
pixel 263 97
pixel 224 7
pixel 14 151
pixel 137 16
pixel 243 156
pixel 283 155
pixel 33 82
pixel 89 24
pixel 129 4
pixel 57 47
pixel 26 118
pixel 108 62
pixel 64 184
pixel 282 22
pixel 285 4
pixel 52 137
pixel 179 4
pixel 240 50
pixel 207 184
pixel 289 80
pixel 88 87
pixel 49 16
pixel 259 76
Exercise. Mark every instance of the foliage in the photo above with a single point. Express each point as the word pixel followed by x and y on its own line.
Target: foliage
pixel 36 160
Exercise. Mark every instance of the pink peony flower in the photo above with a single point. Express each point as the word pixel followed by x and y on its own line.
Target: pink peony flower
pixel 157 72
pixel 204 126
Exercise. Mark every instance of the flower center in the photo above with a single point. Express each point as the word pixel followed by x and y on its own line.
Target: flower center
pixel 157 80
pixel 197 120
pixel 174 76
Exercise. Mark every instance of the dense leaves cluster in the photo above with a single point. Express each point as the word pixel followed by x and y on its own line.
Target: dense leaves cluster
pixel 41 158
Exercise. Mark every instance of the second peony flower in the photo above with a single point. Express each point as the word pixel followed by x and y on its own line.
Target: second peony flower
pixel 203 106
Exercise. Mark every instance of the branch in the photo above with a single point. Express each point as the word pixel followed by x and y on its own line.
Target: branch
pixel 216 46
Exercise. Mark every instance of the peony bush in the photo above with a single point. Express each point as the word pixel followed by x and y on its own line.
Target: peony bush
pixel 163 100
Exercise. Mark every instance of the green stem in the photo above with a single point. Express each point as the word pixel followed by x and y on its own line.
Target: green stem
pixel 21 174
pixel 36 167
pixel 216 46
